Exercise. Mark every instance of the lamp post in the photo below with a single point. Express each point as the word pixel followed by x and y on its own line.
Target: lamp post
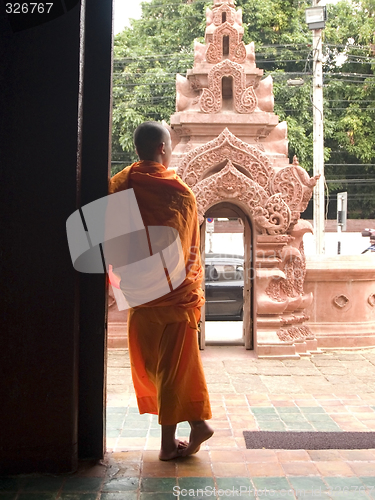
pixel 315 19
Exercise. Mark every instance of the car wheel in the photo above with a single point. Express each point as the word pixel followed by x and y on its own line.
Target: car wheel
pixel 241 314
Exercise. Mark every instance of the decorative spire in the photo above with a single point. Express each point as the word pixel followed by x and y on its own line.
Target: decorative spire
pixel 218 3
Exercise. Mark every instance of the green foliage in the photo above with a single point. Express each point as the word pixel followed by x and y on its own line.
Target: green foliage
pixel 349 114
pixel 275 21
pixel 149 53
pixel 147 56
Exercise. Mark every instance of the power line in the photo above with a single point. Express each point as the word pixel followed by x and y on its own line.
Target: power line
pixel 355 75
pixel 344 100
pixel 350 164
pixel 259 52
pixel 350 181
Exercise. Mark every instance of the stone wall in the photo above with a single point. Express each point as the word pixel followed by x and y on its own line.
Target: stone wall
pixel 342 314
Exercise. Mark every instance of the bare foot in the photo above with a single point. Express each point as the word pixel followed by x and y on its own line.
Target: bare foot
pixel 200 432
pixel 175 452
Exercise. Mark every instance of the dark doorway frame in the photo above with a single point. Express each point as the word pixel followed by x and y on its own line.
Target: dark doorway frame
pixel 55 104
pixel 95 116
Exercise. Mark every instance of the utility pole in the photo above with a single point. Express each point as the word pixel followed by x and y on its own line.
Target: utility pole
pixel 318 141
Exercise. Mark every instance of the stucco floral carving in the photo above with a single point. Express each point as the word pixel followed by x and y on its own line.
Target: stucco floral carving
pixel 275 292
pixel 245 100
pixel 294 267
pixel 293 285
pixel 295 186
pixel 271 215
pixel 236 49
pixel 218 15
pixel 229 183
pixel 226 147
pixel 303 262
pixel 288 185
pixel 279 215
pixel 294 333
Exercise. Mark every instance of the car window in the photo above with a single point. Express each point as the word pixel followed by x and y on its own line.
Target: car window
pixel 223 272
pixel 226 272
pixel 211 273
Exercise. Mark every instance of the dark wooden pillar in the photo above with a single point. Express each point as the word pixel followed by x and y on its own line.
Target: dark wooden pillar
pixel 51 348
pixel 96 110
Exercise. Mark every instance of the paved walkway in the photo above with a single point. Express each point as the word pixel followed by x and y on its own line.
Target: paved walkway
pixel 332 391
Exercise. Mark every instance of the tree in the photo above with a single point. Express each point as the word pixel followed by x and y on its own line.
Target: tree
pixel 150 53
pixel 349 90
pixel 147 57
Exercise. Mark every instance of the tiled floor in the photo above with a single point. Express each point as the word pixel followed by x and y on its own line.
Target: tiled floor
pixel 328 392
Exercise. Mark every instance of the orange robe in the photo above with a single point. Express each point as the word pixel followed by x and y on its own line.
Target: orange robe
pixel 166 367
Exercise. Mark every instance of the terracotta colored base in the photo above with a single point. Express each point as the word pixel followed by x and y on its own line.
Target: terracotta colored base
pixel 349 336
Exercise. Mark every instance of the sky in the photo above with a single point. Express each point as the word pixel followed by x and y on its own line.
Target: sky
pixel 125 9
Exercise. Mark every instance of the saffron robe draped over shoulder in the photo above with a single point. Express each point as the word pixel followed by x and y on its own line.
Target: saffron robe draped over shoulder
pixel 166 367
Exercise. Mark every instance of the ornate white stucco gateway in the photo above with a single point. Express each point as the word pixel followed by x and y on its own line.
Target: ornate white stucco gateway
pixel 229 146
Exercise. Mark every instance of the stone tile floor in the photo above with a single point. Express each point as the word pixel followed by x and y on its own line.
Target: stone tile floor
pixel 332 391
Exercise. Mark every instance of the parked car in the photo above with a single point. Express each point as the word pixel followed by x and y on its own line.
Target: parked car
pixel 224 282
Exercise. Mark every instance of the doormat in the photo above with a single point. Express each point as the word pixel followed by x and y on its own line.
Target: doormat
pixel 286 440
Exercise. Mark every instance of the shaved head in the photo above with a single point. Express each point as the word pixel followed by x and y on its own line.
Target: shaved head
pixel 147 138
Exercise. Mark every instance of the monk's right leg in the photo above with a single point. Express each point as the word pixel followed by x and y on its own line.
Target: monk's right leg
pixel 200 432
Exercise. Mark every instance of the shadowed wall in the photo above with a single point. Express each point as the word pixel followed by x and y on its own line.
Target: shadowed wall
pixel 52 340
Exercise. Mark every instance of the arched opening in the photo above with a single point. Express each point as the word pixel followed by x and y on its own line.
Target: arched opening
pixel 226 45
pixel 223 17
pixel 228 315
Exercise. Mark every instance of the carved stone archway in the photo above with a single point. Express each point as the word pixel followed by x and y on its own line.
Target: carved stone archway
pixel 279 261
pixel 239 155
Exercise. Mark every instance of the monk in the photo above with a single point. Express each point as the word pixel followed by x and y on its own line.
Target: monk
pixel 167 371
